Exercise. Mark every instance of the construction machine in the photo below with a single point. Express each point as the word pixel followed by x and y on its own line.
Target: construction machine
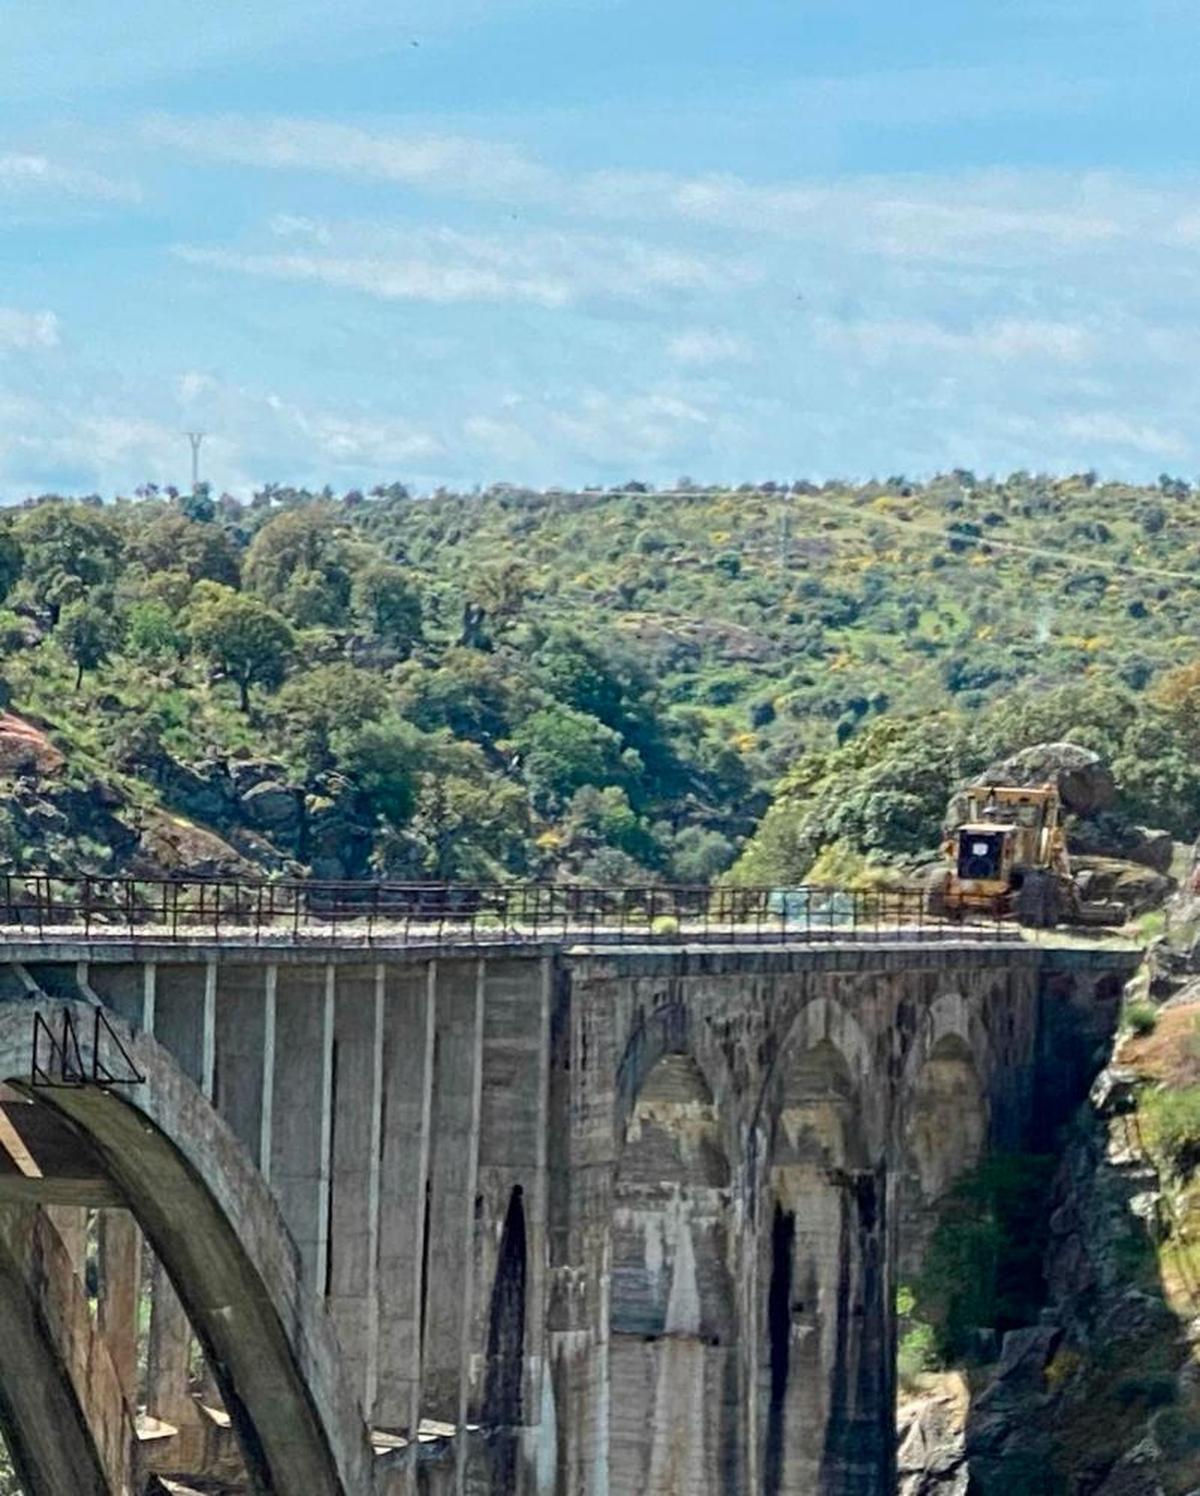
pixel 1007 856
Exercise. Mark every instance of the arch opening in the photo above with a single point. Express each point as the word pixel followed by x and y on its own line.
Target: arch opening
pixel 210 1220
pixel 672 1373
pixel 945 1132
pixel 824 1383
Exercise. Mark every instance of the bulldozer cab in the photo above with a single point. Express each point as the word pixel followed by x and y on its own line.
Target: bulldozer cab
pixel 1026 820
pixel 981 852
pixel 1007 854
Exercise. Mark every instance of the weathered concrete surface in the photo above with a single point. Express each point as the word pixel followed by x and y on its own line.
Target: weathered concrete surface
pixel 596 1220
pixel 66 1421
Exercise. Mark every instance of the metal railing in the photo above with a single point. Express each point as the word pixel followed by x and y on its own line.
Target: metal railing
pixel 368 913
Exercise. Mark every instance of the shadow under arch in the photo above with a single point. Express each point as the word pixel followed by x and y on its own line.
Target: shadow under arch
pixel 946 1124
pixel 210 1218
pixel 673 1320
pixel 52 1361
pixel 825 1377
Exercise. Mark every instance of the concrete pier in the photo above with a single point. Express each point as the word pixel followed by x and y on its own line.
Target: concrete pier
pixel 550 1221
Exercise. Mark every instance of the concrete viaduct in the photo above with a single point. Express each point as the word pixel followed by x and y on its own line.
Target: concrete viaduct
pixel 535 1218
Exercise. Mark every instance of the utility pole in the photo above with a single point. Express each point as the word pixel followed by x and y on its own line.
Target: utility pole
pixel 195 437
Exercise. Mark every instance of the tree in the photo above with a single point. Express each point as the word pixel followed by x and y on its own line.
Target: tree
pixel 384 601
pixel 303 559
pixel 68 548
pixel 382 760
pixel 88 634
pixel 12 559
pixel 314 707
pixel 562 749
pixel 240 635
pixel 152 632
pixel 498 593
pixel 174 541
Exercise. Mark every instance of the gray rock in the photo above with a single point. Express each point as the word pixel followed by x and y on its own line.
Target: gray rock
pixel 246 773
pixel 1084 781
pixel 1024 1354
pixel 271 805
pixel 1114 1091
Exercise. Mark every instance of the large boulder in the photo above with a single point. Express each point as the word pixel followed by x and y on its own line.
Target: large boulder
pixel 1109 834
pixel 272 807
pixel 1084 781
pixel 173 847
pixel 25 749
pixel 1111 880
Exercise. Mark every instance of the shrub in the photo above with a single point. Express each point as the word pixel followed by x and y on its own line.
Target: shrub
pixel 664 924
pixel 1142 1017
pixel 917 1352
pixel 984 1263
pixel 1171 1121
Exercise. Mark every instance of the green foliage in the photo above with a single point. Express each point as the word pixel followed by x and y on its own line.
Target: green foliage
pixel 151 632
pixel 563 749
pixel 1142 1017
pixel 1170 1120
pixel 383 759
pixel 301 561
pixel 686 658
pixel 311 709
pixel 984 1262
pixel 87 634
pixel 916 1353
pixel 243 637
pixel 385 602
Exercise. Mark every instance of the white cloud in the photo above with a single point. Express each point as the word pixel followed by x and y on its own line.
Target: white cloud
pixel 441 265
pixel 1108 429
pixel 440 163
pixel 1003 339
pixel 389 280
pixel 698 346
pixel 1004 216
pixel 25 173
pixel 23 332
pixel 298 226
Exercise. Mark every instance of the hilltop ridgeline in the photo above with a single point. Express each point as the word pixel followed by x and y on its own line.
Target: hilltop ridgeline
pixel 604 686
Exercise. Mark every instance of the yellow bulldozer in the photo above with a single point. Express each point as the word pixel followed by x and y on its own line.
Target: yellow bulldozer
pixel 1007 856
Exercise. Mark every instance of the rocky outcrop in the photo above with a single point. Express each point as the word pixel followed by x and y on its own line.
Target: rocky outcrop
pixel 25 749
pixel 171 846
pixel 1110 880
pixel 931 1458
pixel 1084 781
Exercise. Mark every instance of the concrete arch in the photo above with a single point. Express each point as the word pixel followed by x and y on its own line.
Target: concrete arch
pixel 65 1418
pixel 947 1116
pixel 948 1016
pixel 672 1312
pixel 823 1369
pixel 946 1123
pixel 821 1021
pixel 672 1029
pixel 210 1218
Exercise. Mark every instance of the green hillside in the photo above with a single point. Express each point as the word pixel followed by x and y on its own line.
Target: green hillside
pixel 607 686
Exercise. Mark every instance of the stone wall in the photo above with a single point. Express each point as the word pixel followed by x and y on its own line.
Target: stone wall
pixel 604 1220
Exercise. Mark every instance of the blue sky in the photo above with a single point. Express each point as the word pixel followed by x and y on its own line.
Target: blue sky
pixel 572 241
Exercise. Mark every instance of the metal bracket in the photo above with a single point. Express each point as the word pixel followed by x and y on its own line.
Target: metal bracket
pixel 58 1058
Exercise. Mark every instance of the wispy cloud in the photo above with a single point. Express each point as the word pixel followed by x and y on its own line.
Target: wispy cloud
pixel 550 270
pixel 26 174
pixel 389 280
pixel 1006 215
pixel 1001 339
pixel 699 345
pixel 439 163
pixel 23 332
pixel 1111 430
